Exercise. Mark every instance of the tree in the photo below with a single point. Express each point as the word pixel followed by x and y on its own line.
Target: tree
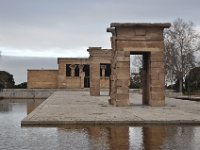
pixel 21 85
pixel 6 80
pixel 193 80
pixel 181 43
pixel 136 71
pixel 136 80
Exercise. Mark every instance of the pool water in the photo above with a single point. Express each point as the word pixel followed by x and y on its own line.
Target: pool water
pixel 15 137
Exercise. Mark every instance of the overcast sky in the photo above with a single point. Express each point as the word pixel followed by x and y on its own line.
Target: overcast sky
pixel 64 28
pixel 17 66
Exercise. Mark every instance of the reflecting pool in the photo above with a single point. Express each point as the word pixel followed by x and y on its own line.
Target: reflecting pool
pixel 15 137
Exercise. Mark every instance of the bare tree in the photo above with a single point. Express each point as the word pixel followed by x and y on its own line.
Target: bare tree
pixel 181 43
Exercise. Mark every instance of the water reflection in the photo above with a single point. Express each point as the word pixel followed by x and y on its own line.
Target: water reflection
pixel 13 137
pixel 32 104
pixel 154 137
pixel 128 138
pixel 114 137
pixel 187 135
pixel 5 108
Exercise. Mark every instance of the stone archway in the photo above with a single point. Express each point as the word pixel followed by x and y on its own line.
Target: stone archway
pixel 144 38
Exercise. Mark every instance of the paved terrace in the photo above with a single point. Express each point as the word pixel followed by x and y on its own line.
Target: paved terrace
pixel 78 108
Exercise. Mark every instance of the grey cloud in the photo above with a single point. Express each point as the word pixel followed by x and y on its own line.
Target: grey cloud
pixel 68 27
pixel 65 24
pixel 18 65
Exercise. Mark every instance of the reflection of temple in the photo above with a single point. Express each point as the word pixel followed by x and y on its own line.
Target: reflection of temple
pixel 75 73
pixel 5 107
pixel 154 137
pixel 114 137
pixel 119 137
pixel 126 137
pixel 32 104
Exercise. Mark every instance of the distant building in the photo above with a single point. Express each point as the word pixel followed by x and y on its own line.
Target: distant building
pixel 73 73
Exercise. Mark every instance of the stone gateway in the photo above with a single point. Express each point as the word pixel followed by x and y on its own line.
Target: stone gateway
pixel 137 38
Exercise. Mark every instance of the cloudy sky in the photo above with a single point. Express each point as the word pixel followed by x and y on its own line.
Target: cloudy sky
pixel 66 28
pixel 54 28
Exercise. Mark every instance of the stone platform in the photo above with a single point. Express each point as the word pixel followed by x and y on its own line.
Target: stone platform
pixel 78 108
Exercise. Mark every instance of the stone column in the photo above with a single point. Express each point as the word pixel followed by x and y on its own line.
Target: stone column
pixel 146 78
pixel 113 88
pixel 157 79
pixel 122 78
pixel 80 68
pixel 94 79
pixel 73 67
pixel 62 79
pixel 103 69
pixel 82 75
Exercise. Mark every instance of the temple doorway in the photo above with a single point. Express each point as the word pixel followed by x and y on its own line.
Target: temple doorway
pixel 139 78
pixel 86 69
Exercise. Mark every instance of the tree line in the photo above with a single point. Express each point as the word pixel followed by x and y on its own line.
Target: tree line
pixel 7 81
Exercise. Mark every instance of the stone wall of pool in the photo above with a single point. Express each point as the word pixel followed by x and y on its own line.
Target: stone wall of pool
pixel 26 93
pixel 45 93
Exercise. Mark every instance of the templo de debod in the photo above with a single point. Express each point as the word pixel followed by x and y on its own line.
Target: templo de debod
pixel 110 68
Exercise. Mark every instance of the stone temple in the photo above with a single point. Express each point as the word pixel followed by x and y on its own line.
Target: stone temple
pixel 110 68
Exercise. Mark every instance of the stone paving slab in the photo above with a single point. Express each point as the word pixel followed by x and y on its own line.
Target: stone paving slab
pixel 78 108
pixel 192 98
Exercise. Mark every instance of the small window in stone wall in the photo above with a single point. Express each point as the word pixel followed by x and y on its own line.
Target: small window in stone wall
pixel 86 69
pixel 107 70
pixel 68 70
pixel 77 70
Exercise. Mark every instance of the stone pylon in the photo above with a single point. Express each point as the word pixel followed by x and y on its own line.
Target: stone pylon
pixel 137 38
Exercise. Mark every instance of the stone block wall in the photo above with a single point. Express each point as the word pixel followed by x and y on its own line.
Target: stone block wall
pixel 73 83
pixel 26 93
pixel 42 79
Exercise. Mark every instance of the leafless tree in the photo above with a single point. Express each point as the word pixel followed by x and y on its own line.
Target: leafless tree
pixel 181 43
pixel 136 63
